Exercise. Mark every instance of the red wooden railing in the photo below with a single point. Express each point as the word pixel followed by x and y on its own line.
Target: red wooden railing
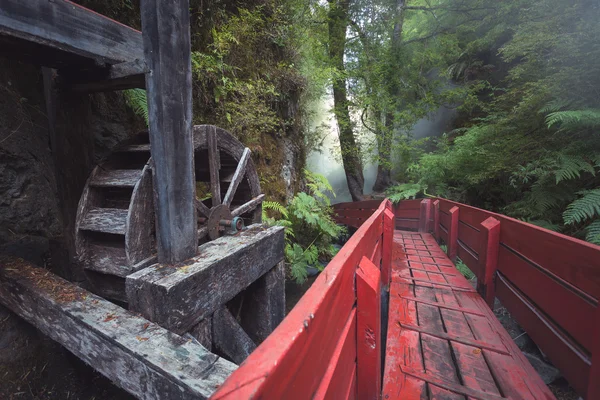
pixel 549 282
pixel 329 346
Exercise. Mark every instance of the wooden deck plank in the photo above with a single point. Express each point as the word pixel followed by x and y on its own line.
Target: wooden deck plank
pixel 443 341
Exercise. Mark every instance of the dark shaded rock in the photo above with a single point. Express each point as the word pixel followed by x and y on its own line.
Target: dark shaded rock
pixel 547 372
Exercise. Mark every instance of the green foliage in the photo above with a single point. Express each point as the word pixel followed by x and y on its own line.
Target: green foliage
pixel 136 99
pixel 584 208
pixel 404 191
pixel 310 228
pixel 593 232
pixel 464 270
pixel 573 119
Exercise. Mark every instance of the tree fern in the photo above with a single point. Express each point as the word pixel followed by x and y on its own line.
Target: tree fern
pixel 571 167
pixel 593 232
pixel 275 206
pixel 404 191
pixel 137 100
pixel 584 208
pixel 574 119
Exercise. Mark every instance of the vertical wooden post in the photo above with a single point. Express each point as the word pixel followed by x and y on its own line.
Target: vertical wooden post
pixel 368 328
pixel 453 233
pixel 436 220
pixel 593 389
pixel 425 215
pixel 488 260
pixel 166 34
pixel 388 242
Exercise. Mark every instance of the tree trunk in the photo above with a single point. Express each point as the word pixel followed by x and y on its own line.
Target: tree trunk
pixel 337 24
pixel 384 137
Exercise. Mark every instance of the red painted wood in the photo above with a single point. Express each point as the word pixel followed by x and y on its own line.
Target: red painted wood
pixel 453 233
pixel 408 224
pixel 435 350
pixel 564 354
pixel 366 204
pixel 339 375
pixel 569 310
pixel 388 241
pixel 408 213
pixel 408 205
pixel 369 351
pixel 466 255
pixel 470 236
pixel 488 259
pixel 436 220
pixel 291 362
pixel 424 215
pixel 593 389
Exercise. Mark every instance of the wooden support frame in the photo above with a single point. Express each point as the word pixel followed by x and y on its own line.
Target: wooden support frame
pixel 180 297
pixel 136 354
pixel 264 304
pixel 369 351
pixel 436 220
pixel 424 215
pixel 453 233
pixel 229 338
pixel 488 260
pixel 166 33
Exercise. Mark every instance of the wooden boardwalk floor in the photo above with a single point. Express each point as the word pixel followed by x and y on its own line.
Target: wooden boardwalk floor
pixel 443 341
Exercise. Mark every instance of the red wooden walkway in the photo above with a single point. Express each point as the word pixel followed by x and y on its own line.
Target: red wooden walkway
pixel 443 341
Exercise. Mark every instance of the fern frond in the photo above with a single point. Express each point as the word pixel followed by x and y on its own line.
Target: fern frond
pixel 584 208
pixel 137 100
pixel 593 232
pixel 545 224
pixel 404 191
pixel 275 206
pixel 554 106
pixel 574 118
pixel 570 167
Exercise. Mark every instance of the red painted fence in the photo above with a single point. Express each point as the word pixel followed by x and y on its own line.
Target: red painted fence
pixel 550 283
pixel 329 346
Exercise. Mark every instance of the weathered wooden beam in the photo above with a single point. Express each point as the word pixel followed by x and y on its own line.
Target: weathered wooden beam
pixel 229 338
pixel 178 297
pixel 202 332
pixel 264 304
pixel 137 355
pixel 60 33
pixel 127 75
pixel 166 32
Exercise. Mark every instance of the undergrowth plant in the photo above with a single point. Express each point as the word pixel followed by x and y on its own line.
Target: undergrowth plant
pixel 309 227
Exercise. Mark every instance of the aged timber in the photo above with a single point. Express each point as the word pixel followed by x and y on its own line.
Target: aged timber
pixel 137 355
pixel 62 34
pixel 166 32
pixel 179 297
pixel 229 338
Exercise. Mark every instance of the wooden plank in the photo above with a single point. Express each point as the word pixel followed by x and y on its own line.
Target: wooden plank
pixel 281 366
pixel 340 375
pixel 470 237
pixel 408 205
pixel 122 76
pixel 425 215
pixel 248 206
pixel 406 224
pixel 436 220
pixel 570 311
pixel 593 389
pixel 368 328
pixel 239 174
pixel 179 297
pixel 137 355
pixel 408 214
pixel 488 259
pixel 214 165
pixel 166 32
pixel 468 257
pixel 203 333
pixel 68 32
pixel 116 178
pixel 264 304
pixel 573 363
pixel 106 220
pixel 366 204
pixel 229 338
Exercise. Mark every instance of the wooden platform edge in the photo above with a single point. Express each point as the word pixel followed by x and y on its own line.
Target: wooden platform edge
pixel 137 355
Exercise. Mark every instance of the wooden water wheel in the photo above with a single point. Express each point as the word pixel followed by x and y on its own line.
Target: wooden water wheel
pixel 115 230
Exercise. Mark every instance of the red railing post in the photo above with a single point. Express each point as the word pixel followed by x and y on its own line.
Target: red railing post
pixel 453 233
pixel 436 220
pixel 368 330
pixel 488 260
pixel 388 242
pixel 425 215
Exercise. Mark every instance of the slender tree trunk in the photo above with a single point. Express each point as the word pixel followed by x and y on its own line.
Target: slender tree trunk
pixel 337 24
pixel 384 148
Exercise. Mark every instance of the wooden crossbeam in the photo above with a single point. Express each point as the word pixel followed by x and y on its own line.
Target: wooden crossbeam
pixel 61 34
pixel 229 338
pixel 137 355
pixel 447 307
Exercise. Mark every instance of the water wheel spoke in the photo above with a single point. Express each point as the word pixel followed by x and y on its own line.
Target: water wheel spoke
pixel 202 208
pixel 240 171
pixel 214 166
pixel 202 232
pixel 249 206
